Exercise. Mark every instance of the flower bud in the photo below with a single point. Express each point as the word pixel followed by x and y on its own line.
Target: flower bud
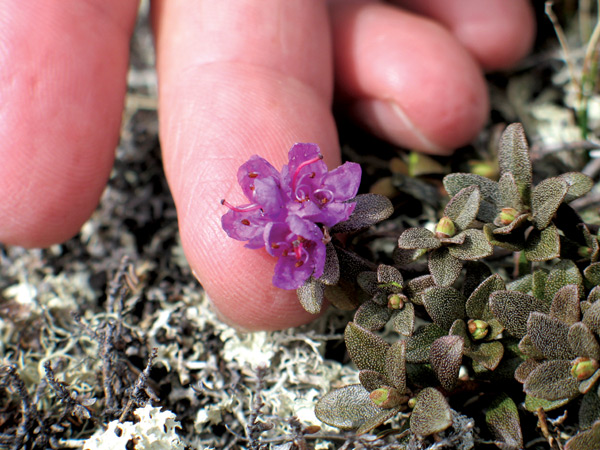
pixel 445 228
pixel 412 402
pixel 507 215
pixel 478 328
pixel 583 368
pixel 584 252
pixel 396 301
pixel 387 397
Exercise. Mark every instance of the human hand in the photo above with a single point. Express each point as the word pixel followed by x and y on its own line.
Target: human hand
pixel 235 79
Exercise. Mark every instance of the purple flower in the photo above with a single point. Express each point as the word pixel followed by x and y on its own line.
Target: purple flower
pixel 287 211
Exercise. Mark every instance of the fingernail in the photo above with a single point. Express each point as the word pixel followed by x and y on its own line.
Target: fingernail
pixel 389 121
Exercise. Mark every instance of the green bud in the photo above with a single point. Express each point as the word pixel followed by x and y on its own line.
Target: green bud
pixel 478 328
pixel 507 215
pixel 445 228
pixel 584 252
pixel 396 301
pixel 412 402
pixel 583 368
pixel 484 168
pixel 387 397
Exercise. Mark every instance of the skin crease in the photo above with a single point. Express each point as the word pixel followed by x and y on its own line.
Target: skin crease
pixel 235 79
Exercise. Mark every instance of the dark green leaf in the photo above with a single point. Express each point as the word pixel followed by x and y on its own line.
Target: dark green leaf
pixel 368 282
pixel 474 247
pixel 417 346
pixel 445 356
pixel 416 287
pixel 431 413
pixel 545 200
pixel 342 296
pixel 372 380
pixel 395 365
pixel 444 268
pixel 372 316
pixel 550 336
pixel 513 242
pixel 370 209
pixel 525 368
pixel 310 295
pixel 579 185
pixel 477 304
pixel 565 304
pixel 331 272
pixel 502 418
pixel 565 272
pixel 444 305
pixel 489 192
pixel 543 245
pixel 583 342
pixel 366 349
pixel 532 403
pixel 512 310
pixel 418 238
pixel 476 273
pixel 589 411
pixel 591 317
pixel 389 279
pixel 527 348
pixel 462 208
pixel 585 440
pixel 488 354
pixel 552 380
pixel 403 320
pixel 513 158
pixel 509 193
pixel 592 273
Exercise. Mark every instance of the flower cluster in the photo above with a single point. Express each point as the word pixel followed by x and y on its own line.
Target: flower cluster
pixel 289 212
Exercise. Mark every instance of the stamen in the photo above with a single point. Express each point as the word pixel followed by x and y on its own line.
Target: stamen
pixel 275 245
pixel 299 263
pixel 247 208
pixel 253 174
pixel 298 248
pixel 245 222
pixel 301 166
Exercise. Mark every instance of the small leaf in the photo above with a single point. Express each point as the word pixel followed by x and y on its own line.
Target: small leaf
pixel 525 368
pixel 368 282
pixel 372 316
pixel 475 246
pixel 310 295
pixel 543 245
pixel 527 348
pixel 565 304
pixel 372 380
pixel 418 238
pixel 444 268
pixel 403 320
pixel 583 342
pixel 462 208
pixel 415 288
pixel 538 284
pixel 369 210
pixel 490 195
pixel 565 272
pixel 509 193
pixel 545 200
pixel 331 271
pixel 431 414
pixel 585 440
pixel 550 336
pixel 512 242
pixel 445 356
pixel 592 273
pixel 349 408
pixel 395 365
pixel 589 411
pixel 513 155
pixel 552 380
pixel 514 227
pixel 488 354
pixel 591 317
pixel 389 279
pixel 579 185
pixel 476 273
pixel 417 346
pixel 532 403
pixel 512 310
pixel 366 349
pixel 444 305
pixel 477 303
pixel 502 418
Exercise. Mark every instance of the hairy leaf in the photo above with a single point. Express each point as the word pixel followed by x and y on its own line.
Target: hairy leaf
pixel 502 418
pixel 565 304
pixel 476 273
pixel 565 272
pixel 417 346
pixel 583 342
pixel 513 158
pixel 372 316
pixel 310 295
pixel 538 284
pixel 368 282
pixel 488 354
pixel 550 336
pixel 395 365
pixel 349 408
pixel 592 273
pixel 545 200
pixel 543 245
pixel 528 349
pixel 445 356
pixel 342 296
pixel 417 238
pixel 514 242
pixel 585 440
pixel 431 413
pixel 592 317
pixel 490 196
pixel 515 228
pixel 477 303
pixel 372 380
pixel 331 272
pixel 403 320
pixel 552 380
pixel 509 193
pixel 579 185
pixel 462 208
pixel 533 403
pixel 474 247
pixel 512 310
pixel 589 411
pixel 389 279
pixel 415 288
pixel 444 268
pixel 366 349
pixel 444 305
pixel 525 368
pixel 369 210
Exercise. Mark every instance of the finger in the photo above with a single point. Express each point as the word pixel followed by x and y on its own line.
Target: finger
pixel 238 78
pixel 62 82
pixel 406 77
pixel 497 32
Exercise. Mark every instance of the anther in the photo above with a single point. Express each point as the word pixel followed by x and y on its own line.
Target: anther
pixel 253 174
pixel 245 222
pixel 301 166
